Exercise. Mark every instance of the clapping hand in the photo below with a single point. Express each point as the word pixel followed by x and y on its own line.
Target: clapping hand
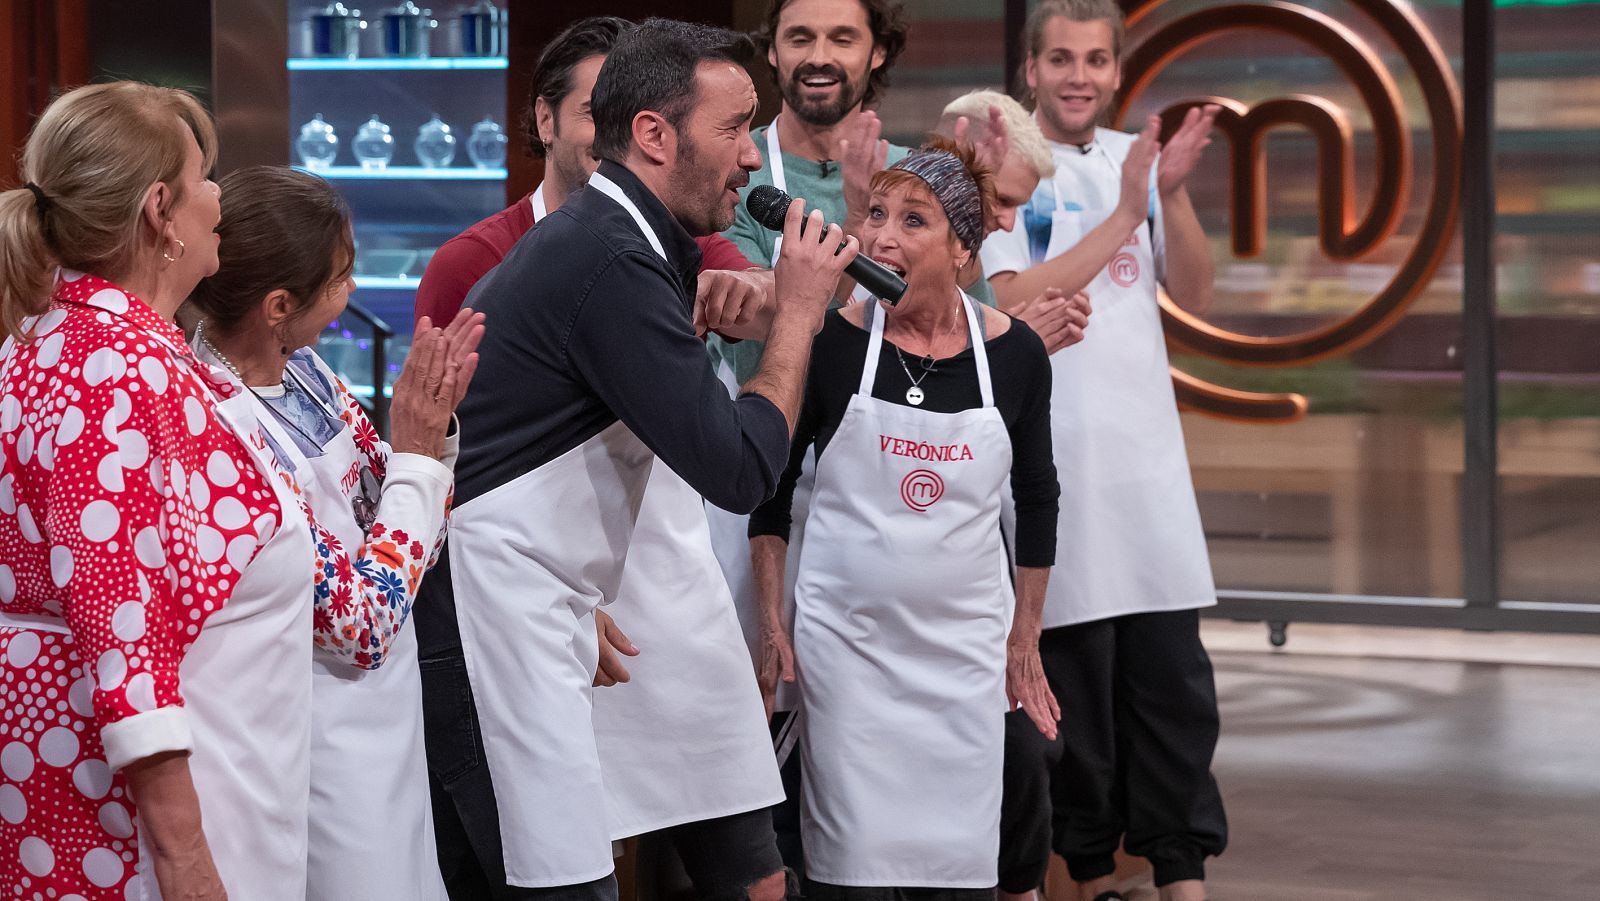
pixel 990 152
pixel 861 153
pixel 1134 202
pixel 1182 151
pixel 1058 319
pixel 433 381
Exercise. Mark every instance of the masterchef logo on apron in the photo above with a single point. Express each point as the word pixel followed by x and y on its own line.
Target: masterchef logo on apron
pixel 921 489
pixel 1124 269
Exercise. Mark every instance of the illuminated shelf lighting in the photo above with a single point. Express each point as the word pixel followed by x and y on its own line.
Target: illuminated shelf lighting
pixel 365 391
pixel 307 64
pixel 387 282
pixel 408 173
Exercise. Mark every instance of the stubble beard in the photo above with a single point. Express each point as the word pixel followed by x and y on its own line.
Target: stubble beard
pixel 823 115
pixel 704 209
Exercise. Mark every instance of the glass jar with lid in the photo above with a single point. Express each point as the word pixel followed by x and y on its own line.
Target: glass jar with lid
pixel 435 145
pixel 486 147
pixel 373 146
pixel 318 144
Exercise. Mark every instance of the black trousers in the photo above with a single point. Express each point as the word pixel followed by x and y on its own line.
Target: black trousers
pixel 1132 763
pixel 822 891
pixel 722 856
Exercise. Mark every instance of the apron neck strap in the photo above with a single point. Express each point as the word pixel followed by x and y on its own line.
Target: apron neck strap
pixel 775 157
pixel 537 203
pixel 873 318
pixel 980 351
pixel 610 188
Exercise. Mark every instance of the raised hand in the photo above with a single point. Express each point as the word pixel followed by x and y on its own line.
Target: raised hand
pixel 1134 202
pixel 433 381
pixel 991 151
pixel 861 154
pixel 1182 151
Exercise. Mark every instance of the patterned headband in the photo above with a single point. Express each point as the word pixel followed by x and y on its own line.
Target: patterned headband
pixel 947 177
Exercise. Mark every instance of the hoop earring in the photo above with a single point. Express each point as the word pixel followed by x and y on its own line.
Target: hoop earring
pixel 169 257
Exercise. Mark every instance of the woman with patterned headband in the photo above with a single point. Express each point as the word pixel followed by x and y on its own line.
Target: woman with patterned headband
pixel 924 416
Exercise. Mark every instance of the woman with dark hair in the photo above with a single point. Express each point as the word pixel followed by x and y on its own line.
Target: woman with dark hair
pixel 924 415
pixel 153 561
pixel 284 275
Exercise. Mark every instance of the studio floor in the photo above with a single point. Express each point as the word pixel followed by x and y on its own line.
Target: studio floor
pixel 1367 764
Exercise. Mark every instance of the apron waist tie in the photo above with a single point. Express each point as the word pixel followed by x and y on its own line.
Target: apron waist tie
pixel 42 622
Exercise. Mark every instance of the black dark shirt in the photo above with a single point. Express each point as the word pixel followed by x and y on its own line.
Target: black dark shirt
pixel 1020 371
pixel 587 325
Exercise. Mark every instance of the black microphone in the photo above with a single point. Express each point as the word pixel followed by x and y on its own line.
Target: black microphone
pixel 769 205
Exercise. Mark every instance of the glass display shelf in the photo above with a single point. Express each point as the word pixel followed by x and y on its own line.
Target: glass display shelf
pixel 408 173
pixel 382 64
pixel 386 282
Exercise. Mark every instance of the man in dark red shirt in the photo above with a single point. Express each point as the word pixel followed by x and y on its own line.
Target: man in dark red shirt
pixel 729 857
pixel 464 259
pixel 734 296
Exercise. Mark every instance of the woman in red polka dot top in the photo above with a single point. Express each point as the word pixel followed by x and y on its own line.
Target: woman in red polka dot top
pixel 154 559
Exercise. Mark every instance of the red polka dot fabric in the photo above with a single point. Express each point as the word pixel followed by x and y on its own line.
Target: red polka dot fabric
pixel 127 512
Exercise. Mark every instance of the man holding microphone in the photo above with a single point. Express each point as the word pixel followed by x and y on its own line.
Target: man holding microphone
pixel 595 385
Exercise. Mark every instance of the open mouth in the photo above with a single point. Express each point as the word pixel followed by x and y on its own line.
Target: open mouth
pixel 819 82
pixel 890 265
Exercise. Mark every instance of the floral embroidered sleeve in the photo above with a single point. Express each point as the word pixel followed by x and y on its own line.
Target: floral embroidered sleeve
pixel 364 595
pixel 375 451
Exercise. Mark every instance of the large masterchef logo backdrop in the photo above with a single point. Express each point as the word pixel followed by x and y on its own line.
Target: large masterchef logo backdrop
pixel 1344 232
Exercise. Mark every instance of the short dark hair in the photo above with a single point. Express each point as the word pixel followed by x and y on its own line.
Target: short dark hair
pixel 279 230
pixel 886 19
pixel 552 74
pixel 652 67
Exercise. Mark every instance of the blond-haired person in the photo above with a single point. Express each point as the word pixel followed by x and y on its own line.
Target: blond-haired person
pixel 1121 640
pixel 1005 136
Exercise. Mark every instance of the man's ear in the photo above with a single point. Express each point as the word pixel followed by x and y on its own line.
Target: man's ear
pixel 544 120
pixel 655 137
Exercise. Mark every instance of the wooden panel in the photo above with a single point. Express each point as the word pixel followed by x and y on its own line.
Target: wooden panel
pixel 42 49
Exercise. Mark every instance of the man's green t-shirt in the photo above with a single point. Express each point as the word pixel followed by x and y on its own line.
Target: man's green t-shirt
pixel 821 184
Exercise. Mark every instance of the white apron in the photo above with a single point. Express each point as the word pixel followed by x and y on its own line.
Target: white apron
pixel 1129 538
pixel 730 532
pixel 902 610
pixel 247 687
pixel 686 739
pixel 525 596
pixel 369 774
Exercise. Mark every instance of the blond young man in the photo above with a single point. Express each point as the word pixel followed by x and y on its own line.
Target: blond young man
pixel 1120 642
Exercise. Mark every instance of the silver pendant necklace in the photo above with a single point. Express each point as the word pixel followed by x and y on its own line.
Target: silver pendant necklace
pixel 914 394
